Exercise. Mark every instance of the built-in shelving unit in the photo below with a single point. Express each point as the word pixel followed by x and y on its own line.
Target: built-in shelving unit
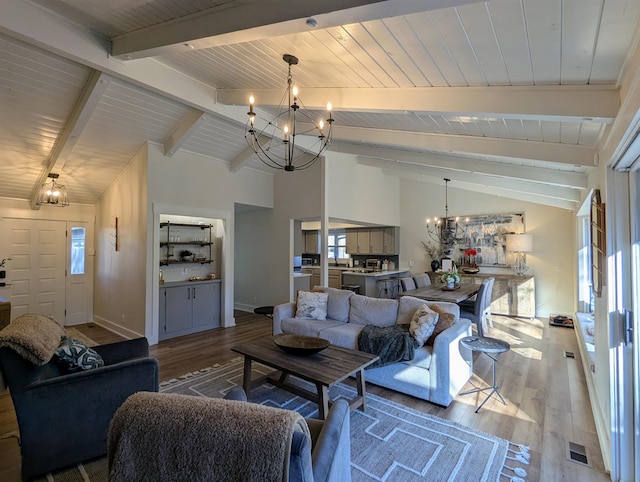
pixel 178 237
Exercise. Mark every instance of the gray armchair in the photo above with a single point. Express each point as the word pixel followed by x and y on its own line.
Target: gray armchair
pixel 63 418
pixel 168 426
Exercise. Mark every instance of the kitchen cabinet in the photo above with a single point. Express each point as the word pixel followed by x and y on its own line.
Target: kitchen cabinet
pixel 358 241
pixel 378 240
pixel 189 307
pixel 311 241
pixel 176 238
pixel 335 278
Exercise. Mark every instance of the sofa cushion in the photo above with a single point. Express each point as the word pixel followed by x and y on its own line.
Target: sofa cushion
pixel 345 335
pixel 445 320
pixel 407 306
pixel 298 326
pixel 338 304
pixel 423 323
pixel 422 358
pixel 75 355
pixel 373 311
pixel 312 305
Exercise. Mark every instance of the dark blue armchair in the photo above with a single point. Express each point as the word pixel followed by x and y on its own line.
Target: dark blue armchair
pixel 64 417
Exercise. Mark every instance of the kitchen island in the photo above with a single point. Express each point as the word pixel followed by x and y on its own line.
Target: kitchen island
pixel 368 281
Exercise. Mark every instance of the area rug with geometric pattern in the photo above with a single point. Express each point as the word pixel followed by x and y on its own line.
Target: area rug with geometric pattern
pixel 389 442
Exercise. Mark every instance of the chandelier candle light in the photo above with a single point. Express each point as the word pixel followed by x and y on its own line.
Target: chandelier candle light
pixel 52 193
pixel 293 119
pixel 446 231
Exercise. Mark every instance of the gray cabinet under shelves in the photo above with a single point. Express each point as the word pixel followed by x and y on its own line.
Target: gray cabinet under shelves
pixel 189 307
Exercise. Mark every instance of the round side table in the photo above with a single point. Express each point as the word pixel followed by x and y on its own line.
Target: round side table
pixel 492 347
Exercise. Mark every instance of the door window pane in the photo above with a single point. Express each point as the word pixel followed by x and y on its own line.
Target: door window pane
pixel 77 250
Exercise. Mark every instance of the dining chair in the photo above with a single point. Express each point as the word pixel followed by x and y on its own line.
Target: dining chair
pixel 407 283
pixel 479 311
pixel 422 280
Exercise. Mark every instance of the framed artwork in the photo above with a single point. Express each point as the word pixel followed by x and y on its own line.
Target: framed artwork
pixel 485 234
pixel 598 244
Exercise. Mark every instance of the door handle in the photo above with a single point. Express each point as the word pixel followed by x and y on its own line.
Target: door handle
pixel 188 293
pixel 194 292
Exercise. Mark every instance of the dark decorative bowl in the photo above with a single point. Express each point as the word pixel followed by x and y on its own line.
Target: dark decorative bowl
pixel 301 345
pixel 471 270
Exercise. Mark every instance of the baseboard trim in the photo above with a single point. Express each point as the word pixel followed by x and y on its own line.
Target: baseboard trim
pixel 602 427
pixel 115 328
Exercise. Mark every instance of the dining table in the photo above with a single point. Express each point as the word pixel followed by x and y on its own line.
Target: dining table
pixel 440 292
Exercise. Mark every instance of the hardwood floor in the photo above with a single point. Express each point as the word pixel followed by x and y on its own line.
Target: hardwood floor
pixel 546 394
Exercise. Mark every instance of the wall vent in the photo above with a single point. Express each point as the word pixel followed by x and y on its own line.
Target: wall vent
pixel 577 453
pixel 569 354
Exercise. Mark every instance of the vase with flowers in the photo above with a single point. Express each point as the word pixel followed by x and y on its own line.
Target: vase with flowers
pixel 451 277
pixel 469 264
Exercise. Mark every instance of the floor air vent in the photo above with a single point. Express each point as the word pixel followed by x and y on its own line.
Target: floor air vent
pixel 577 453
pixel 569 354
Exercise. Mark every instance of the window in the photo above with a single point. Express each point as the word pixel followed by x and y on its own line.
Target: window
pixel 78 236
pixel 337 245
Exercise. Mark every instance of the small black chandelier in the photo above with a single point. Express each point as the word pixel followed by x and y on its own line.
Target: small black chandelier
pixel 448 230
pixel 274 141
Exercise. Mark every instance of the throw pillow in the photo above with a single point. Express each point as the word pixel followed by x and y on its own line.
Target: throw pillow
pixel 445 320
pixel 423 323
pixel 312 305
pixel 75 355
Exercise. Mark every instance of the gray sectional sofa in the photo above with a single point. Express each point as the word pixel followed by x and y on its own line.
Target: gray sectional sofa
pixel 437 373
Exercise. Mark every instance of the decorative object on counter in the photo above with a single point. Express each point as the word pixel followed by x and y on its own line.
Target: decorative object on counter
pixel 211 276
pixel 520 244
pixel 300 345
pixel 446 231
pixel 262 134
pixel 469 262
pixel 161 280
pixel 52 194
pixel 451 277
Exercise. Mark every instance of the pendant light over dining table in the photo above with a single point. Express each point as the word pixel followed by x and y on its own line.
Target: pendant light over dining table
pixel 274 140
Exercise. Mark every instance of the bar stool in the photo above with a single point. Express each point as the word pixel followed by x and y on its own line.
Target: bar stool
pixel 354 288
pixel 388 288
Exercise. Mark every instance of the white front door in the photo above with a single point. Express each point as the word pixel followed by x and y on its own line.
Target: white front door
pixel 36 273
pixel 80 273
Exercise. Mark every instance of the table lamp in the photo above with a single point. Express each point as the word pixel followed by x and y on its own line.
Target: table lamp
pixel 519 244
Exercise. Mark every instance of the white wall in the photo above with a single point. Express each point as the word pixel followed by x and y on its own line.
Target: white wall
pixel 120 287
pixel 361 193
pixel 255 249
pixel 553 261
pixel 192 185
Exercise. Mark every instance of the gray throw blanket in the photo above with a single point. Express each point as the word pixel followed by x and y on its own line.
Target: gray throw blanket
pixel 391 343
pixel 161 436
pixel 34 337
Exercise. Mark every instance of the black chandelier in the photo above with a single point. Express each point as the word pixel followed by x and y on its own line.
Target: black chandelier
pixel 274 141
pixel 448 230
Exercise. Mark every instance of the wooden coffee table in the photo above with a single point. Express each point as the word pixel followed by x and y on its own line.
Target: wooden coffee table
pixel 323 369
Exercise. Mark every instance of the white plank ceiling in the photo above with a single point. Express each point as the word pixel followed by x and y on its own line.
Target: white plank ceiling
pixel 444 88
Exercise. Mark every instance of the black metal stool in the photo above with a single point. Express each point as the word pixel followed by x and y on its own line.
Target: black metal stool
pixel 264 310
pixel 388 289
pixel 354 288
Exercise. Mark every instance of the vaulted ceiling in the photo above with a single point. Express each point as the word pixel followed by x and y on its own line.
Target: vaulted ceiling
pixel 510 97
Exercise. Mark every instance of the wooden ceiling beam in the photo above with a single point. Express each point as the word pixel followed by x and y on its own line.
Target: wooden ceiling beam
pixel 234 22
pixel 82 112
